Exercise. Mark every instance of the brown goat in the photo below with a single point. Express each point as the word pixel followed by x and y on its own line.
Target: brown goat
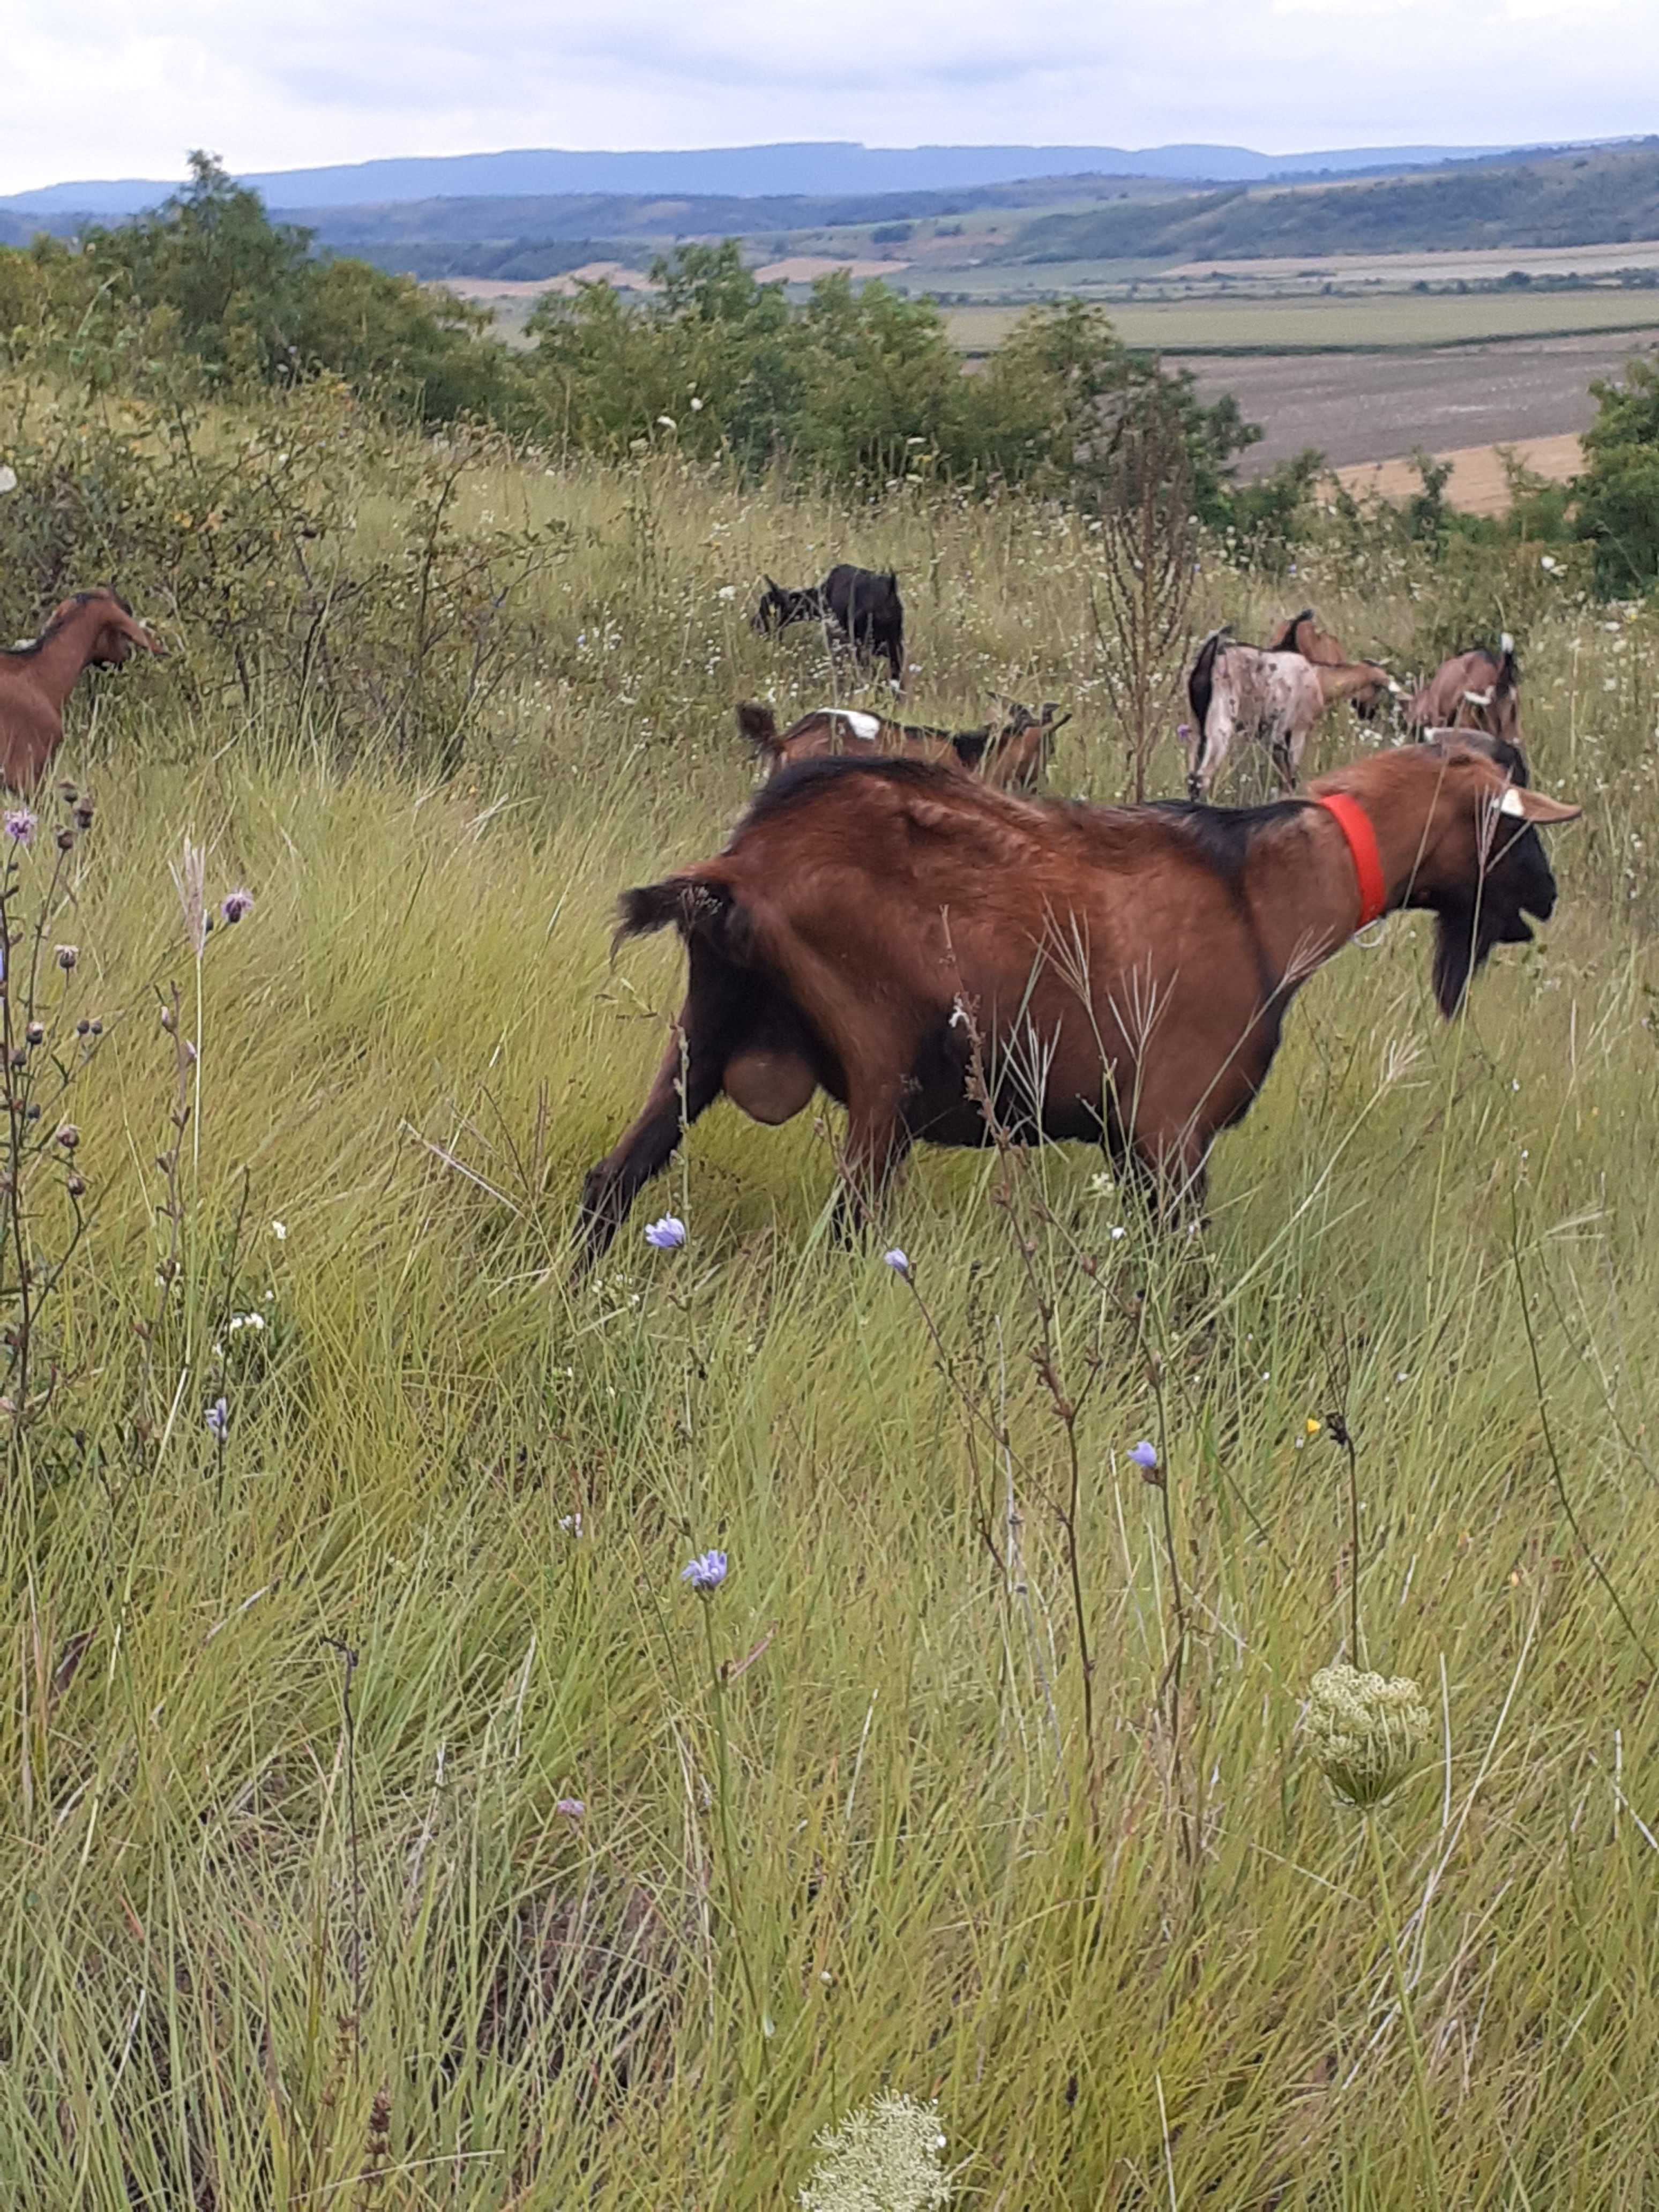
pixel 1126 969
pixel 1302 634
pixel 1476 690
pixel 1010 752
pixel 93 629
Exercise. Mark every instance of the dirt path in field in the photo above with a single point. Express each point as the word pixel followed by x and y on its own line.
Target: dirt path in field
pixel 1378 406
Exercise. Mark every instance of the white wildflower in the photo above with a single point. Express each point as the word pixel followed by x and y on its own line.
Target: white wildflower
pixel 279 1231
pixel 1366 1732
pixel 8 478
pixel 883 2158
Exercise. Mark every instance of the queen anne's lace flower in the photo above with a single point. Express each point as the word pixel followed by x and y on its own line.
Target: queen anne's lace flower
pixel 1367 1732
pixel 883 2158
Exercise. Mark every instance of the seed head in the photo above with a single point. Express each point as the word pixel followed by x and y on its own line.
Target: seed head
pixel 36 1033
pixel 705 1573
pixel 883 2158
pixel 75 1185
pixel 68 1136
pixel 1366 1732
pixel 67 955
pixel 66 841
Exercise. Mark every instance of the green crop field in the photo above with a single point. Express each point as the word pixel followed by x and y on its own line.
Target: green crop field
pixel 387 1822
pixel 1337 324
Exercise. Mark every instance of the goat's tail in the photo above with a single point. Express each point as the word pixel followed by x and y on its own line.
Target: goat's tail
pixel 759 725
pixel 1200 685
pixel 696 905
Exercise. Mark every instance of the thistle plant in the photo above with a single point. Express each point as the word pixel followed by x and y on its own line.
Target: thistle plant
pixel 177 1267
pixel 884 2157
pixel 45 1049
pixel 1367 1733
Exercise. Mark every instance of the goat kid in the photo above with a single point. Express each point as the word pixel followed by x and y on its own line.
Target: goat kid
pixel 1302 634
pixel 93 629
pixel 858 607
pixel 1476 690
pixel 1127 968
pixel 1239 692
pixel 1012 751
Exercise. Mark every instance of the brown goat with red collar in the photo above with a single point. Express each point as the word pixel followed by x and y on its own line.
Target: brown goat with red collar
pixel 1126 969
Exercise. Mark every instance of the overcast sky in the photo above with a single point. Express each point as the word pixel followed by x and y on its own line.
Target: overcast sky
pixel 278 83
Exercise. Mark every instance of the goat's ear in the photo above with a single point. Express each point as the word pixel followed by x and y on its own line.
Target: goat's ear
pixel 770 586
pixel 1522 806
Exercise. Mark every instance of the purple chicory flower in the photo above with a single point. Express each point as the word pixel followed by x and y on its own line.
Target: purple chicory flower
pixel 572 1807
pixel 1145 1456
pixel 236 904
pixel 898 1261
pixel 19 826
pixel 218 1420
pixel 667 1234
pixel 1183 729
pixel 705 1573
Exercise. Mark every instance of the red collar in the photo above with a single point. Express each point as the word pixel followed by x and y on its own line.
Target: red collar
pixel 1355 824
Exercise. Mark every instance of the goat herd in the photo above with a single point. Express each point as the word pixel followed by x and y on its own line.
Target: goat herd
pixel 894 923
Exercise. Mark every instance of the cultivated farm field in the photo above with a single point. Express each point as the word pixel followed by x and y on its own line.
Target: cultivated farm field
pixel 1381 406
pixel 1340 323
pixel 389 1823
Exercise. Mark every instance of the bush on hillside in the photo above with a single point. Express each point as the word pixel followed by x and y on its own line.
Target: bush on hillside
pixel 1617 493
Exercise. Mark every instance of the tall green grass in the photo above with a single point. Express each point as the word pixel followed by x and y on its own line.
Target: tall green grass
pixel 389 1762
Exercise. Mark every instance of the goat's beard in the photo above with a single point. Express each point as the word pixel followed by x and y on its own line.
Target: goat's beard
pixel 1465 935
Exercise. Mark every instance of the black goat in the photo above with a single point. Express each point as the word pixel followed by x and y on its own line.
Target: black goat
pixel 860 607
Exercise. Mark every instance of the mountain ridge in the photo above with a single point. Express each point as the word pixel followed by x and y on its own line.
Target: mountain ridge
pixel 805 166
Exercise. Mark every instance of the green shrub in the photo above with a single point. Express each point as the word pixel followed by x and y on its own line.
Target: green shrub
pixel 1617 493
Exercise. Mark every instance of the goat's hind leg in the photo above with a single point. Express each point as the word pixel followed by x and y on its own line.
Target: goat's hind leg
pixel 689 1079
pixel 1172 1179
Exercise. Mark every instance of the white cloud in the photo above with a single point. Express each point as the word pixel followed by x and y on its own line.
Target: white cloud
pixel 282 83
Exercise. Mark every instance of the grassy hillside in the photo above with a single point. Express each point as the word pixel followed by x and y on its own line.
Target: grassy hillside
pixel 378 1832
pixel 1563 200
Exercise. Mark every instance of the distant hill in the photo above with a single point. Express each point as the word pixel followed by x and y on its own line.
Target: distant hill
pixel 559 218
pixel 1584 199
pixel 746 172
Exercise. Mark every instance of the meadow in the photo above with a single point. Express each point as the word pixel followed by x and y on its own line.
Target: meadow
pixel 388 1825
